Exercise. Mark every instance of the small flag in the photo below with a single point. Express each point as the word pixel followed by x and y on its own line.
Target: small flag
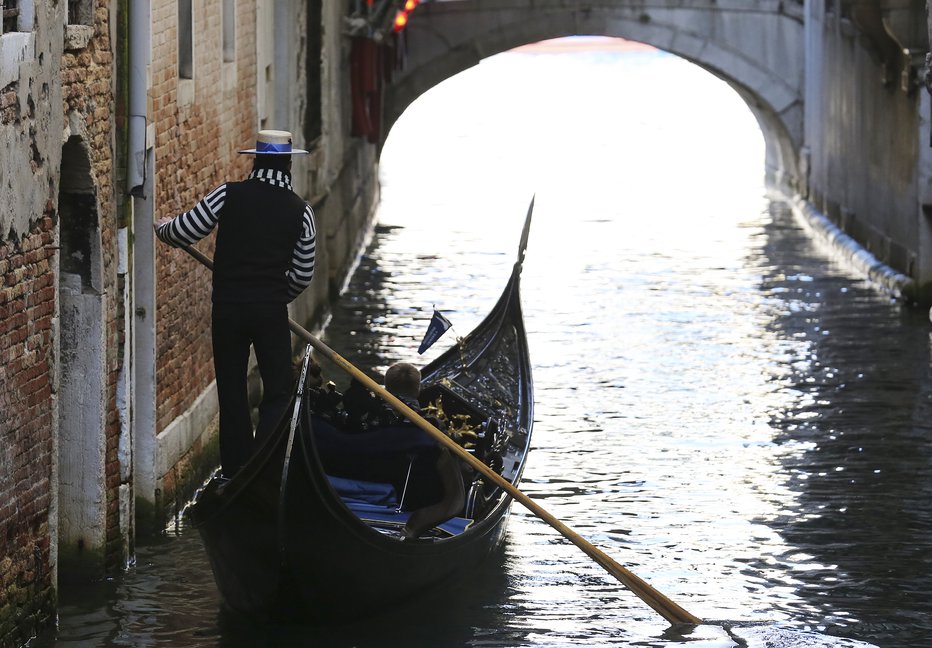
pixel 437 327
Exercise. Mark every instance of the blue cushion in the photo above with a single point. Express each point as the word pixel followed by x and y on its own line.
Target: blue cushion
pixel 356 490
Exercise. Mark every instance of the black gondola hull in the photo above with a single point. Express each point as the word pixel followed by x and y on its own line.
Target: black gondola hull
pixel 352 571
pixel 283 544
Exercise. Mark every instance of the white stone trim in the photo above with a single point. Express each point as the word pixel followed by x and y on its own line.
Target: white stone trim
pixel 185 92
pixel 176 440
pixel 78 36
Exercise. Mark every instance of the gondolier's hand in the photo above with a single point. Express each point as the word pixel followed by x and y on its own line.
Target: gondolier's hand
pixel 159 224
pixel 162 221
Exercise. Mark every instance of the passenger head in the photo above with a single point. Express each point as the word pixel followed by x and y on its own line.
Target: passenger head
pixel 403 380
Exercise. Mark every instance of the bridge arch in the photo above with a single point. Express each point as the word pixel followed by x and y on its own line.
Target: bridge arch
pixel 757 48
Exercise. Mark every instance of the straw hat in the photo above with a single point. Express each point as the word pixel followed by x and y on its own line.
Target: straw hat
pixel 274 142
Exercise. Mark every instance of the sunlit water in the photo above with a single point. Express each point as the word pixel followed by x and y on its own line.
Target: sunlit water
pixel 720 406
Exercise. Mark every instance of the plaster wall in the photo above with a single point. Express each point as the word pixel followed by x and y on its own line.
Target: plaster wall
pixel 32 121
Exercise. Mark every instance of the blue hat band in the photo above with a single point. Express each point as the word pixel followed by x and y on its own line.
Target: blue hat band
pixel 268 147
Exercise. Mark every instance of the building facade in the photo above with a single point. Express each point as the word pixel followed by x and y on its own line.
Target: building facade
pixel 114 113
pixel 63 499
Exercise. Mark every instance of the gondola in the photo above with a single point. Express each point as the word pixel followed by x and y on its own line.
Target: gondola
pixel 327 523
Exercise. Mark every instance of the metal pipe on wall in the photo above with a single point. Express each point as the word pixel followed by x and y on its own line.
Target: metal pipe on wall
pixel 139 54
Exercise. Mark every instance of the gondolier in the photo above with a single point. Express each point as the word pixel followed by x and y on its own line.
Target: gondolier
pixel 264 258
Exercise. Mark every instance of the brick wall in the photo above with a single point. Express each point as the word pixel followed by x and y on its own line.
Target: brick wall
pixel 61 94
pixel 27 361
pixel 27 307
pixel 195 151
pixel 74 88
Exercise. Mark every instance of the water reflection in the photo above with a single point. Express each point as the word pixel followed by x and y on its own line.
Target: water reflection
pixel 859 520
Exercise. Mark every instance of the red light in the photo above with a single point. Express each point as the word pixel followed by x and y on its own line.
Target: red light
pixel 410 5
pixel 401 19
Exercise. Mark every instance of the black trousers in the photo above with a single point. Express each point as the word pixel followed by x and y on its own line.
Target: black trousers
pixel 236 327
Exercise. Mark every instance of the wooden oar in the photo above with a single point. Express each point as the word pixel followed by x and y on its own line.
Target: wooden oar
pixel 656 600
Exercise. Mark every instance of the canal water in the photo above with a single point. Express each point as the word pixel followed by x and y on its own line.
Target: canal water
pixel 720 405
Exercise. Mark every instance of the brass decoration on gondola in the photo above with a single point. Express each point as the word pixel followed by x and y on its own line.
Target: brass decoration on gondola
pixel 457 426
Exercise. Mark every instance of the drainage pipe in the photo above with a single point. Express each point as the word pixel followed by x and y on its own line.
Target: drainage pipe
pixel 139 53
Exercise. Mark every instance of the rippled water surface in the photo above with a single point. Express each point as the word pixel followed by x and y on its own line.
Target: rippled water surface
pixel 720 406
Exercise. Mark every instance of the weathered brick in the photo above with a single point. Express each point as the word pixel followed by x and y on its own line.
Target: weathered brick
pixel 27 303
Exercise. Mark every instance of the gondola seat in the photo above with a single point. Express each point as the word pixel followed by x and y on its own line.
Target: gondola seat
pixel 404 456
pixel 377 503
pixel 353 491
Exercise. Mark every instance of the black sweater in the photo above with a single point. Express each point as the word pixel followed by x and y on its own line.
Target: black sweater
pixel 256 235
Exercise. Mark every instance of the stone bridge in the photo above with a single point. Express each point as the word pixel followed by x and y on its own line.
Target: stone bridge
pixel 756 46
pixel 833 84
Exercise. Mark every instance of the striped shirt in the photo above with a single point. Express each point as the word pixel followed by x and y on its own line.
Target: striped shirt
pixel 190 227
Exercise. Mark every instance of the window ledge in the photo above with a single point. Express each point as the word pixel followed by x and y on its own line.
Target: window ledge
pixel 78 36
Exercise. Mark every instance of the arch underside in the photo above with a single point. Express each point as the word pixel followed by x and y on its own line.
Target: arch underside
pixel 758 53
